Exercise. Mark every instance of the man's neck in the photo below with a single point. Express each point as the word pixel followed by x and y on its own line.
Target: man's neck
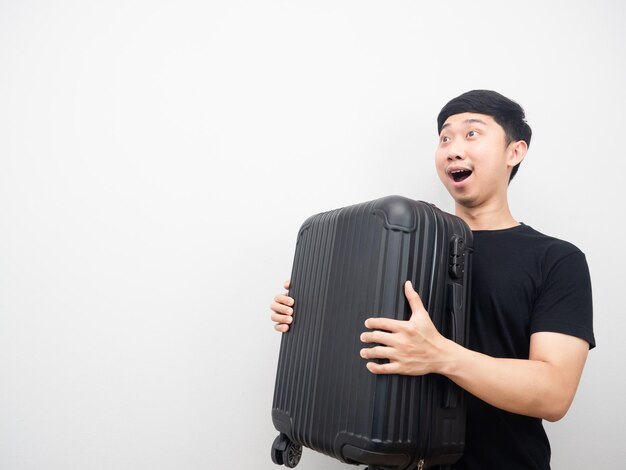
pixel 494 217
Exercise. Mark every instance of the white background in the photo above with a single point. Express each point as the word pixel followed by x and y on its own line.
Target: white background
pixel 158 157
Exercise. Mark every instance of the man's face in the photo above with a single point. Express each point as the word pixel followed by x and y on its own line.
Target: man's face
pixel 473 159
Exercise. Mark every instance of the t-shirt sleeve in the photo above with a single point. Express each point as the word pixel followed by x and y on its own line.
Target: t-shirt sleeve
pixel 565 304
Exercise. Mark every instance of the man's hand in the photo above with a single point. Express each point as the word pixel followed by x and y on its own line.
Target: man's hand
pixel 413 347
pixel 282 310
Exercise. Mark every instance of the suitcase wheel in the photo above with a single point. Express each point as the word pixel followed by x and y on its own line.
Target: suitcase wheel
pixel 285 452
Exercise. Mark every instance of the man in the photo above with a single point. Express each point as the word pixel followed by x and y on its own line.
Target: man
pixel 531 312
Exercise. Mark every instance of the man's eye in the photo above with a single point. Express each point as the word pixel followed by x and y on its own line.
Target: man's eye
pixel 472 133
pixel 444 139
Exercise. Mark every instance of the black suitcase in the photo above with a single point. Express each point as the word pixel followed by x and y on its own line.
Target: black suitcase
pixel 351 264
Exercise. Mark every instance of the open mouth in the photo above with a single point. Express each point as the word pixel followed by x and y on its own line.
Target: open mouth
pixel 460 175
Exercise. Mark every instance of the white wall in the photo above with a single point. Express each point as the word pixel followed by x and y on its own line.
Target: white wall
pixel 158 157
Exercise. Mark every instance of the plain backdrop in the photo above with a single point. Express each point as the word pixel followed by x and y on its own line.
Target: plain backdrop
pixel 158 157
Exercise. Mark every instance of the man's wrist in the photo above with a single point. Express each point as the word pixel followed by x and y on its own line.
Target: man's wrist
pixel 453 354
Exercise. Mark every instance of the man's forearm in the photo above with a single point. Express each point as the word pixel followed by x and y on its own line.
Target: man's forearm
pixel 534 387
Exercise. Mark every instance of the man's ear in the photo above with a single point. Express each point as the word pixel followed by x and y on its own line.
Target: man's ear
pixel 517 152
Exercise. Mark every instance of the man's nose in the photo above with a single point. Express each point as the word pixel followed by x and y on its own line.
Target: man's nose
pixel 456 152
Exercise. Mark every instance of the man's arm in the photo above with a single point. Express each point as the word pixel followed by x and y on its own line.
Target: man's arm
pixel 542 386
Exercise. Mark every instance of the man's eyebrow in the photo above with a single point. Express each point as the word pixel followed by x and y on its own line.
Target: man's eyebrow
pixel 475 121
pixel 467 121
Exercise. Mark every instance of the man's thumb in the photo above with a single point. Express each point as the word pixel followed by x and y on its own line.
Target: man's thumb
pixel 413 297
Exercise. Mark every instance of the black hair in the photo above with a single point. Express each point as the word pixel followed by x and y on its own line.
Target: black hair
pixel 507 113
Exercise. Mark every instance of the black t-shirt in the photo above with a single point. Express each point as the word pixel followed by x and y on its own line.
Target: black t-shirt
pixel 522 282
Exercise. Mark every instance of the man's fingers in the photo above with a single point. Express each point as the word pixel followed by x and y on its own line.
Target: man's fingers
pixel 281 308
pixel 281 313
pixel 377 352
pixel 386 368
pixel 380 352
pixel 380 337
pixel 380 323
pixel 280 318
pixel 284 299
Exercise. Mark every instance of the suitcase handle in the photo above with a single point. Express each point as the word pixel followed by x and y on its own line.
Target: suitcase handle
pixel 454 310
